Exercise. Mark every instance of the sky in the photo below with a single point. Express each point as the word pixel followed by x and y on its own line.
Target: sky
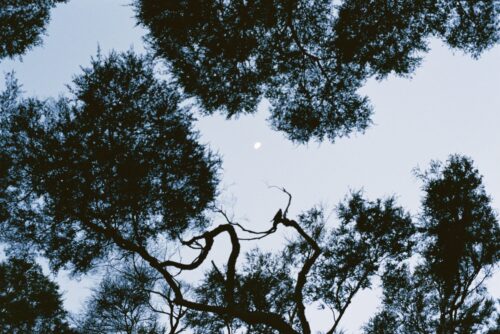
pixel 449 105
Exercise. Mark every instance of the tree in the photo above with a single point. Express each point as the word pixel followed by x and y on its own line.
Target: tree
pixel 308 58
pixel 371 236
pixel 29 300
pixel 331 266
pixel 122 303
pixel 22 23
pixel 116 164
pixel 460 240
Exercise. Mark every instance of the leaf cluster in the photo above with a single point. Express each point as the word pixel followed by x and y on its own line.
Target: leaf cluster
pixel 459 240
pixel 22 23
pixel 308 58
pixel 116 162
pixel 29 301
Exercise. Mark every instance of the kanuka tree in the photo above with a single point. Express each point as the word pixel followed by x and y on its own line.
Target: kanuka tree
pixel 29 301
pixel 308 58
pixel 124 302
pixel 116 163
pixel 322 266
pixel 22 23
pixel 459 247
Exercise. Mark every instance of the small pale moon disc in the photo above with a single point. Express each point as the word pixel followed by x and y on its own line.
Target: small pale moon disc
pixel 257 145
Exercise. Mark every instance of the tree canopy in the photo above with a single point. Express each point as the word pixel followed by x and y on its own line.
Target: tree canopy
pixel 114 174
pixel 29 301
pixel 118 162
pixel 22 23
pixel 459 247
pixel 115 170
pixel 122 303
pixel 308 58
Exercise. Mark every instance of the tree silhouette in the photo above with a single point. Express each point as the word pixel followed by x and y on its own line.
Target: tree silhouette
pixel 118 163
pixel 22 23
pixel 459 247
pixel 330 266
pixel 115 170
pixel 123 303
pixel 29 300
pixel 309 58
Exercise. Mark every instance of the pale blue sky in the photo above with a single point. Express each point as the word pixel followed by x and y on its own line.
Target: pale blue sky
pixel 450 105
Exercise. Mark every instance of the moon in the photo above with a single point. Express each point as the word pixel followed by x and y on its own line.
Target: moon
pixel 257 145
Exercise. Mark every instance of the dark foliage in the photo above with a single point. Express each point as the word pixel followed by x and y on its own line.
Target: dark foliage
pixel 458 222
pixel 309 58
pixel 116 163
pixel 22 23
pixel 29 300
pixel 122 304
pixel 115 169
pixel 460 245
pixel 370 235
pixel 264 283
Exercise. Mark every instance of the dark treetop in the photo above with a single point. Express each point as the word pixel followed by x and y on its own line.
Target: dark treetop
pixel 309 58
pixel 459 244
pixel 117 158
pixel 22 23
pixel 29 301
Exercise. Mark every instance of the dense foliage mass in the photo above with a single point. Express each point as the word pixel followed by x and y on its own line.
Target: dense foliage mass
pixel 308 58
pixel 122 304
pixel 29 300
pixel 459 248
pixel 117 162
pixel 22 23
